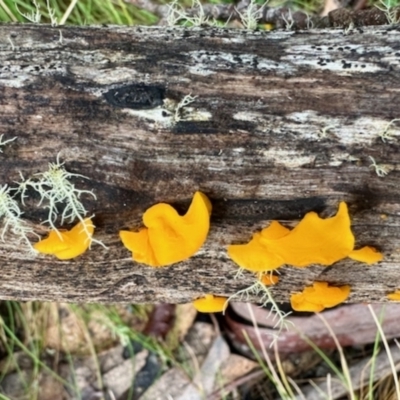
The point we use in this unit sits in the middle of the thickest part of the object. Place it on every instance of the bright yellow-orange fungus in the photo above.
(68, 244)
(395, 296)
(367, 255)
(210, 304)
(318, 297)
(313, 241)
(168, 237)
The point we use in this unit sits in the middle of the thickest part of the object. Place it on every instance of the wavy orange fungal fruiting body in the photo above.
(313, 241)
(168, 237)
(395, 296)
(210, 304)
(319, 296)
(367, 255)
(68, 244)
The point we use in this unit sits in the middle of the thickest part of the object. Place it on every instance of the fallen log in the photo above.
(270, 125)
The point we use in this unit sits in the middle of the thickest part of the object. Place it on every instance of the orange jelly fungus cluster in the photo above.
(395, 296)
(210, 304)
(318, 297)
(67, 244)
(313, 241)
(168, 237)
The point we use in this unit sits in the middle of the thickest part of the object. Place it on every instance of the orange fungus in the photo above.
(168, 237)
(318, 297)
(68, 244)
(367, 255)
(395, 296)
(314, 240)
(210, 304)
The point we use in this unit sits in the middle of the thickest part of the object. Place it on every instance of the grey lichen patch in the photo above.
(248, 116)
(157, 115)
(287, 158)
(107, 76)
(343, 58)
(239, 40)
(209, 62)
(341, 66)
(173, 112)
(360, 131)
(17, 76)
(199, 70)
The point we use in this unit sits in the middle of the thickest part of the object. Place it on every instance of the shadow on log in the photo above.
(277, 124)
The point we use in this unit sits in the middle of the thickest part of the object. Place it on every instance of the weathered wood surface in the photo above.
(283, 123)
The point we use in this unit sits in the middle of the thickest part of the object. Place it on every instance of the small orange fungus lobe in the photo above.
(319, 296)
(210, 304)
(314, 240)
(68, 244)
(367, 255)
(269, 279)
(168, 237)
(395, 296)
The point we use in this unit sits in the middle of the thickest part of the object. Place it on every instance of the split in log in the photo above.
(277, 124)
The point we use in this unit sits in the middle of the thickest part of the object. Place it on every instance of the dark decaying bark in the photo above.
(282, 123)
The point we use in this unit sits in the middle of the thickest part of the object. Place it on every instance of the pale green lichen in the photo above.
(391, 12)
(3, 143)
(380, 169)
(57, 191)
(177, 14)
(10, 213)
(36, 15)
(266, 299)
(252, 14)
(387, 134)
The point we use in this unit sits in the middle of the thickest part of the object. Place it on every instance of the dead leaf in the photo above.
(198, 342)
(204, 379)
(50, 388)
(118, 380)
(160, 321)
(185, 316)
(163, 389)
(233, 368)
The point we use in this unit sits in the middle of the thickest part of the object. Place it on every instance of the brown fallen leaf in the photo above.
(160, 321)
(197, 348)
(118, 380)
(234, 367)
(204, 380)
(162, 388)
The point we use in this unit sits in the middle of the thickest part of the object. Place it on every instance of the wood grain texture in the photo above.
(282, 123)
